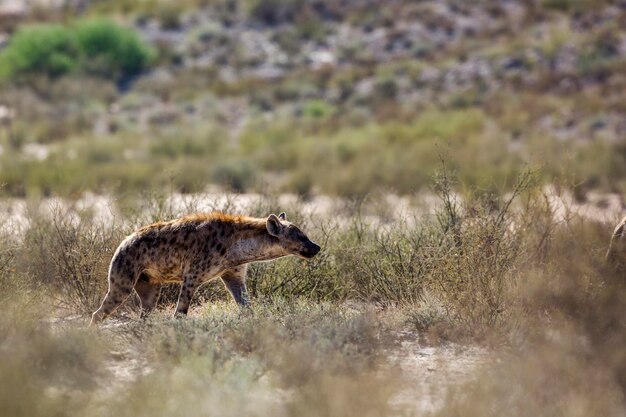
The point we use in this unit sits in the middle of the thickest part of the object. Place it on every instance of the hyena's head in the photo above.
(290, 237)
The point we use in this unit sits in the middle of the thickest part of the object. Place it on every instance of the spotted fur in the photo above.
(193, 250)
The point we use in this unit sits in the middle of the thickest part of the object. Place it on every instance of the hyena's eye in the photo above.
(297, 234)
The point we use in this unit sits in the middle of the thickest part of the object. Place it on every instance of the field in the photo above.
(461, 164)
(469, 309)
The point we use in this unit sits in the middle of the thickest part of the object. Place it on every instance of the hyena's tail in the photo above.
(617, 247)
(122, 279)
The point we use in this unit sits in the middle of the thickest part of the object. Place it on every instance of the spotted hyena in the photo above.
(195, 249)
(616, 254)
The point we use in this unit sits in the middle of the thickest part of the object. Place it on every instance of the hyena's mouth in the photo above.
(309, 252)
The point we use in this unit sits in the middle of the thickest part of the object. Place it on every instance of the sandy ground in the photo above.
(428, 372)
(431, 371)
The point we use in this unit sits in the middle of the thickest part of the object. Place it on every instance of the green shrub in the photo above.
(317, 109)
(50, 50)
(111, 51)
(96, 47)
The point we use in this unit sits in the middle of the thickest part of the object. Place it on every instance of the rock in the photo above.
(322, 59)
(6, 114)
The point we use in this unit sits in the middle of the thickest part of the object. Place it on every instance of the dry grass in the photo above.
(571, 361)
(321, 335)
(66, 251)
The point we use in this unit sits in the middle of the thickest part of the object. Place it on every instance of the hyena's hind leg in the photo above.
(235, 281)
(120, 287)
(148, 294)
(191, 281)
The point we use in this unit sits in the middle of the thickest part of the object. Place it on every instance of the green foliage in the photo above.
(318, 109)
(95, 47)
(111, 51)
(51, 50)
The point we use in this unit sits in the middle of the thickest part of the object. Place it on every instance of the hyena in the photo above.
(193, 250)
(616, 255)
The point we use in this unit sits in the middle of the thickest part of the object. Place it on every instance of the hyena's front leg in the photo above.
(191, 282)
(235, 281)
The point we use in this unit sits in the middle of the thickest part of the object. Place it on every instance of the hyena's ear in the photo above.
(282, 216)
(273, 224)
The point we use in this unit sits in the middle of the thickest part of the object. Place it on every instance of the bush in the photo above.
(95, 47)
(237, 175)
(111, 51)
(50, 50)
(317, 109)
(70, 254)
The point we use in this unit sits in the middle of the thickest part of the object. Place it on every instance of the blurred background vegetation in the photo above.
(311, 97)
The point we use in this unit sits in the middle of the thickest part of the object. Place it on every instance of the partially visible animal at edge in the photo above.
(196, 249)
(616, 254)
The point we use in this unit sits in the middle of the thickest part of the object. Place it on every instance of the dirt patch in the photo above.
(430, 372)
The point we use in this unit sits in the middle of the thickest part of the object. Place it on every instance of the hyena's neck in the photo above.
(254, 248)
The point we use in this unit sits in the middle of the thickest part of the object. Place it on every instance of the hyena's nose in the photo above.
(314, 249)
(309, 250)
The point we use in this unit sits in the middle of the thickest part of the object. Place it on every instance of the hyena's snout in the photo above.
(309, 250)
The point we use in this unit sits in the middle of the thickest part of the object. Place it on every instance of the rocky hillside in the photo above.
(519, 81)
